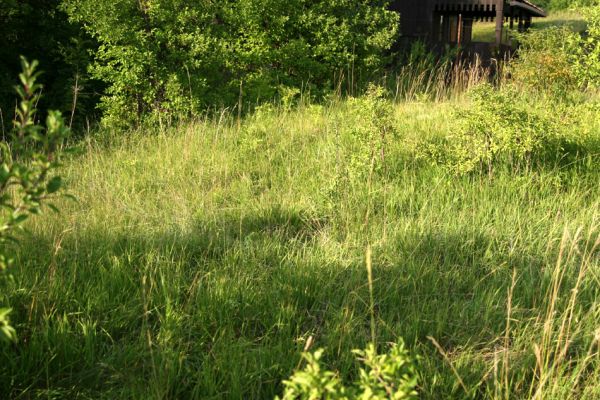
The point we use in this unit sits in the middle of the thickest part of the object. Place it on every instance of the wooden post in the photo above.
(436, 32)
(460, 30)
(499, 21)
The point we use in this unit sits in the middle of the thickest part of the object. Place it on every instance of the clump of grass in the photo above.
(425, 77)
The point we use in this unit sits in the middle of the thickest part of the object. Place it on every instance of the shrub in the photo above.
(27, 170)
(383, 376)
(39, 30)
(370, 133)
(496, 127)
(545, 60)
(559, 60)
(564, 4)
(587, 60)
(362, 144)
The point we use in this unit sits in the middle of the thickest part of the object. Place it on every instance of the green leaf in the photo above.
(54, 184)
(7, 332)
(71, 197)
(53, 208)
(19, 219)
(4, 173)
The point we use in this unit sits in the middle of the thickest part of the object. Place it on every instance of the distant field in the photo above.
(197, 263)
(485, 31)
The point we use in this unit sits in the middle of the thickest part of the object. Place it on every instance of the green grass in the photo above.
(197, 262)
(486, 31)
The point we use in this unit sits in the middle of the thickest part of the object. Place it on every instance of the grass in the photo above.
(486, 31)
(198, 261)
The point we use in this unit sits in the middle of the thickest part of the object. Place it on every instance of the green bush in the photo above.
(545, 60)
(165, 58)
(27, 171)
(363, 142)
(558, 60)
(496, 127)
(587, 59)
(39, 30)
(564, 4)
(384, 376)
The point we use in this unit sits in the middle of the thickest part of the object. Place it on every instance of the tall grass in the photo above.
(439, 80)
(201, 260)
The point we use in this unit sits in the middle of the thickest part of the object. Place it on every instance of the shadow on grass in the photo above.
(223, 311)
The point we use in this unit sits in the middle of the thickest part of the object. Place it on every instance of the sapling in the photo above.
(28, 163)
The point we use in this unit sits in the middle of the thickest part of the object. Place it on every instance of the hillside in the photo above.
(198, 261)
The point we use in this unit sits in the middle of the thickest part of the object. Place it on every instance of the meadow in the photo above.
(198, 261)
(446, 210)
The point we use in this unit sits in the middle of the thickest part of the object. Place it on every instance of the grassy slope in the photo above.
(198, 262)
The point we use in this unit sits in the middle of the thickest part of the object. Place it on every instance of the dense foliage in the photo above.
(564, 4)
(168, 57)
(558, 59)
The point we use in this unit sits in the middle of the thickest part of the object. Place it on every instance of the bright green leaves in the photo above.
(587, 62)
(170, 58)
(391, 375)
(27, 165)
(7, 332)
(314, 382)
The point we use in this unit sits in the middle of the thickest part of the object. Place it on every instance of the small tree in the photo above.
(27, 171)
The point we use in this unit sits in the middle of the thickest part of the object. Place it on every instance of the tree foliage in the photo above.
(162, 58)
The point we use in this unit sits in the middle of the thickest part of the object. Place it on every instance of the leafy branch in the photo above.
(28, 162)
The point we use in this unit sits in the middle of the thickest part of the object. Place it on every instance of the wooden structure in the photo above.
(451, 21)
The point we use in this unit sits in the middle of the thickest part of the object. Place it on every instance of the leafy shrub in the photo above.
(27, 165)
(558, 60)
(564, 4)
(496, 127)
(384, 376)
(363, 142)
(545, 60)
(370, 132)
(587, 60)
(164, 58)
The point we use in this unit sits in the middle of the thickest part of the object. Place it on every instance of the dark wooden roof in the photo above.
(528, 7)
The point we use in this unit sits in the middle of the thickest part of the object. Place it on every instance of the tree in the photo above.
(163, 58)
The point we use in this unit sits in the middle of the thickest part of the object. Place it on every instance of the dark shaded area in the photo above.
(37, 29)
(236, 294)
